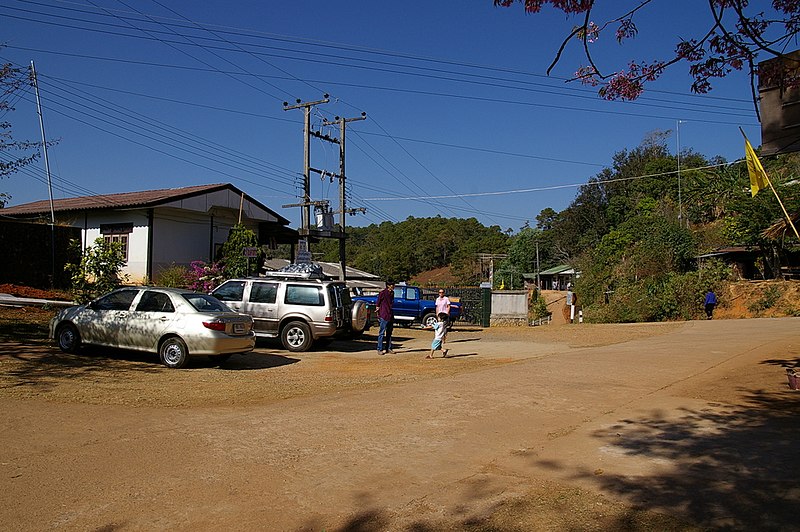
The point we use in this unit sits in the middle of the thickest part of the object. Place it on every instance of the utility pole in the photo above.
(680, 203)
(49, 182)
(342, 199)
(305, 204)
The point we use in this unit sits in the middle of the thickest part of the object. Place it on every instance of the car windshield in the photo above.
(206, 303)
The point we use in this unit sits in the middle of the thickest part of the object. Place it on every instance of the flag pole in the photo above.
(754, 167)
(788, 218)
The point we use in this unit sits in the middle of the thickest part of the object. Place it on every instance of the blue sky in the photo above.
(461, 119)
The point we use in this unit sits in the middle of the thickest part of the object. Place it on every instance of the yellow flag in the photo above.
(758, 177)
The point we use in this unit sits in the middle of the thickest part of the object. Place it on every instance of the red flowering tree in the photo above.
(740, 34)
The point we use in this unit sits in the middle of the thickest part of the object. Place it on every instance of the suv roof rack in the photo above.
(299, 271)
(295, 275)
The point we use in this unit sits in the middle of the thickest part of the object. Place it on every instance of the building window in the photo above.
(123, 239)
(117, 233)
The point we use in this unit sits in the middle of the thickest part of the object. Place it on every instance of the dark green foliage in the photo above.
(537, 306)
(236, 264)
(99, 270)
(521, 258)
(767, 300)
(415, 245)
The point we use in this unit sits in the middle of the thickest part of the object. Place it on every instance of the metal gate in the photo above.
(469, 297)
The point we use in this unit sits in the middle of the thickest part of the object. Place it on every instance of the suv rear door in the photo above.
(262, 305)
(339, 296)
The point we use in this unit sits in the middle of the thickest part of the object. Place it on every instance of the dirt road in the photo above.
(590, 427)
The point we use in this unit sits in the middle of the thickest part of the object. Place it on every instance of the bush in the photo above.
(174, 277)
(659, 298)
(204, 277)
(99, 270)
(767, 300)
(537, 306)
(236, 264)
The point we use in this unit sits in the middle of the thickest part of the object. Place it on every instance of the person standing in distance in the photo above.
(443, 306)
(385, 318)
(709, 303)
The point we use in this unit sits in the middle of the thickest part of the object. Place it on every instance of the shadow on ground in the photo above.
(733, 467)
(40, 366)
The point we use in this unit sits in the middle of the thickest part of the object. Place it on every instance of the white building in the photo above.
(159, 228)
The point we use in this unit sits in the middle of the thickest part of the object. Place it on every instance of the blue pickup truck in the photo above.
(409, 306)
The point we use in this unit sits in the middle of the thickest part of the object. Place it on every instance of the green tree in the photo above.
(722, 202)
(638, 271)
(546, 219)
(522, 250)
(98, 271)
(236, 264)
(402, 250)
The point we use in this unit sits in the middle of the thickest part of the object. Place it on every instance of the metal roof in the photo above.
(142, 199)
(562, 269)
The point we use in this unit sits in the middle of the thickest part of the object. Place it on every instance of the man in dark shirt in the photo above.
(385, 318)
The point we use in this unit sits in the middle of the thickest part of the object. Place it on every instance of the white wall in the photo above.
(136, 268)
(181, 237)
(510, 303)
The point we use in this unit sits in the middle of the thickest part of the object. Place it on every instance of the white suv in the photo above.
(298, 308)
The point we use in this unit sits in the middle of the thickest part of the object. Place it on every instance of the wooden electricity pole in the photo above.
(306, 202)
(342, 191)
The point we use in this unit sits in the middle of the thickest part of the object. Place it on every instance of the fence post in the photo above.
(486, 304)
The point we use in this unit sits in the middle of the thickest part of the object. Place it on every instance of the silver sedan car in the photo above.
(174, 323)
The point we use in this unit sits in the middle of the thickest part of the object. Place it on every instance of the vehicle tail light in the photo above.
(328, 316)
(214, 325)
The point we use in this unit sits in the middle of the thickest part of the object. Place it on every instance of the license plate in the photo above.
(238, 328)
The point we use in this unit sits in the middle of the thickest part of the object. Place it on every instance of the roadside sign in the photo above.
(250, 252)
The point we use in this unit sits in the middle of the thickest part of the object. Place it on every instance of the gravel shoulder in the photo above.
(675, 426)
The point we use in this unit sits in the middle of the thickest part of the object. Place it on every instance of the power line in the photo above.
(556, 187)
(683, 110)
(327, 45)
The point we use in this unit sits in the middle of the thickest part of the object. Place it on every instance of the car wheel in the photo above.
(429, 319)
(69, 339)
(173, 352)
(296, 336)
(219, 359)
